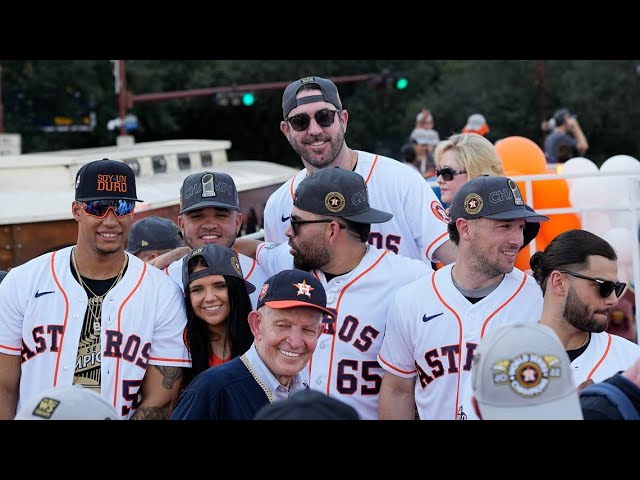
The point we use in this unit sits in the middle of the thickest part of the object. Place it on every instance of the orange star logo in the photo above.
(303, 288)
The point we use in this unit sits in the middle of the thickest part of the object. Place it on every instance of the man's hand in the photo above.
(166, 259)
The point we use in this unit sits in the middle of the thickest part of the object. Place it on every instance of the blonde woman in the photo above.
(464, 156)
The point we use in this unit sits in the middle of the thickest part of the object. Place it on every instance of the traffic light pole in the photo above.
(132, 99)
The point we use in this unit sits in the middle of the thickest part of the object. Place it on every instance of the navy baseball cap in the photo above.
(208, 189)
(494, 197)
(338, 192)
(106, 180)
(154, 233)
(220, 260)
(308, 404)
(327, 87)
(293, 288)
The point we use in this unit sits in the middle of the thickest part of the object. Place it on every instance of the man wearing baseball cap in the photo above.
(435, 324)
(152, 236)
(328, 229)
(209, 213)
(315, 124)
(92, 314)
(285, 325)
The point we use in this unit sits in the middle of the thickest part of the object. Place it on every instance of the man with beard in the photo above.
(328, 230)
(315, 124)
(209, 213)
(578, 275)
(436, 323)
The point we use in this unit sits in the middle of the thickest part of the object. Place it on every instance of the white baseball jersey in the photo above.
(433, 331)
(606, 355)
(419, 223)
(253, 273)
(344, 364)
(43, 309)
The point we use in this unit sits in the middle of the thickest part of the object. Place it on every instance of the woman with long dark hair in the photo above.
(218, 304)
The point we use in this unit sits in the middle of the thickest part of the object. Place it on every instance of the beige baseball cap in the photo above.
(67, 402)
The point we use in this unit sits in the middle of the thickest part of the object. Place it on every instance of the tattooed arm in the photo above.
(160, 389)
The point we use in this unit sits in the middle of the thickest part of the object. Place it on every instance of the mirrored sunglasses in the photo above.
(324, 118)
(100, 208)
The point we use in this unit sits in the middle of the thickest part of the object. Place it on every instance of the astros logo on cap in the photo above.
(473, 204)
(527, 375)
(263, 292)
(303, 288)
(236, 265)
(334, 201)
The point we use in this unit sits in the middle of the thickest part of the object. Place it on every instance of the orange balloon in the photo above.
(519, 154)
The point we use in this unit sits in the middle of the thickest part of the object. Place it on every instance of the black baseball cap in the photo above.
(338, 192)
(154, 233)
(293, 288)
(106, 180)
(493, 197)
(220, 260)
(327, 87)
(208, 189)
(308, 404)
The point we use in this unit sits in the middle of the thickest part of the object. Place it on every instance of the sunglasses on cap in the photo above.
(605, 286)
(447, 173)
(100, 208)
(324, 118)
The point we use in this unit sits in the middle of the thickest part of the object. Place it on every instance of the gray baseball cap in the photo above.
(522, 372)
(208, 189)
(220, 260)
(494, 197)
(338, 192)
(154, 233)
(327, 87)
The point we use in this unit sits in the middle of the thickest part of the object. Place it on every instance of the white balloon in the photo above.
(593, 192)
(620, 163)
(596, 222)
(621, 240)
(578, 165)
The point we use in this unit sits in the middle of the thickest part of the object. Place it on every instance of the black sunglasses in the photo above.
(324, 118)
(296, 223)
(447, 173)
(606, 286)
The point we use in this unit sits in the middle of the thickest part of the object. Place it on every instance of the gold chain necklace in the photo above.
(266, 389)
(94, 306)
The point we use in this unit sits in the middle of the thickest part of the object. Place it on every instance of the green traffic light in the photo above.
(248, 99)
(402, 83)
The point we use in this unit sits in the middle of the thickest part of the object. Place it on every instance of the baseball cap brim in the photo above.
(566, 408)
(250, 287)
(518, 213)
(370, 216)
(209, 203)
(278, 304)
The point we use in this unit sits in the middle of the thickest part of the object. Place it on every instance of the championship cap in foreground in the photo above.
(208, 189)
(327, 87)
(338, 192)
(293, 288)
(220, 260)
(522, 372)
(68, 402)
(105, 180)
(494, 197)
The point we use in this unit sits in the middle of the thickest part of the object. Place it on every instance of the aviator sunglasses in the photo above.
(447, 173)
(100, 208)
(606, 286)
(301, 122)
